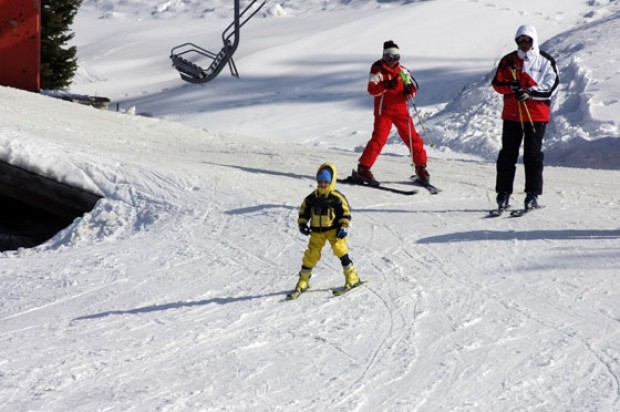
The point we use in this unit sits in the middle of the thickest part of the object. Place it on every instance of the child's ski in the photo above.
(341, 291)
(294, 295)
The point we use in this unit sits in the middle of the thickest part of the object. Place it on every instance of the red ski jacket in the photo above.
(389, 102)
(536, 71)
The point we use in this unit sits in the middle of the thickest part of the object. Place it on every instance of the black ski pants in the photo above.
(513, 134)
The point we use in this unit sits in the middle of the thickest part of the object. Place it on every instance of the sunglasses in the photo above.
(524, 40)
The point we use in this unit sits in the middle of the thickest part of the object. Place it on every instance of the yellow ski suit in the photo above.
(325, 210)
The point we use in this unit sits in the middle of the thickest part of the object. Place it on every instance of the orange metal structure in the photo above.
(20, 44)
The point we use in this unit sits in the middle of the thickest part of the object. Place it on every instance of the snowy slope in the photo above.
(168, 296)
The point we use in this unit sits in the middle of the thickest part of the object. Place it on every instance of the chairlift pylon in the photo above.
(184, 55)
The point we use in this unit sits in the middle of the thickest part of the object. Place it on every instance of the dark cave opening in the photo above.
(33, 208)
(23, 225)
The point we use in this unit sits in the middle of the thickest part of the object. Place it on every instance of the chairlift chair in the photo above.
(184, 55)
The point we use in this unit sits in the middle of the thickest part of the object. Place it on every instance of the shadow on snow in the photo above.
(177, 305)
(477, 235)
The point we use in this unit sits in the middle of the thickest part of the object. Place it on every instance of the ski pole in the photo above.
(514, 77)
(529, 116)
(519, 102)
(405, 79)
(426, 136)
(409, 123)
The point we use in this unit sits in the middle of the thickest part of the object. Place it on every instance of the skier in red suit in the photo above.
(392, 86)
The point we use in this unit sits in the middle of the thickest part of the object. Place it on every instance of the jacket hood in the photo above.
(332, 184)
(529, 31)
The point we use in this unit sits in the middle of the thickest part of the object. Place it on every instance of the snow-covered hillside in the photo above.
(312, 57)
(169, 295)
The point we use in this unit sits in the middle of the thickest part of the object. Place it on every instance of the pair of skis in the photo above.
(335, 292)
(353, 180)
(513, 213)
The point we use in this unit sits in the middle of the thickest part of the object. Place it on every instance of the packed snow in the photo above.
(169, 294)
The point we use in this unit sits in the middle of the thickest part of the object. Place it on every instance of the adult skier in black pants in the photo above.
(528, 79)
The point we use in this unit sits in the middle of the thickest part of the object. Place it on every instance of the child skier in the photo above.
(328, 215)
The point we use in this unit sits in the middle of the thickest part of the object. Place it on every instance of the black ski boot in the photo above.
(502, 200)
(531, 201)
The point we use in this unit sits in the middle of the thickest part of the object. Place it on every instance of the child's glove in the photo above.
(304, 230)
(342, 232)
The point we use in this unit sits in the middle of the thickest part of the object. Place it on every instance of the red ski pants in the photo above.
(406, 131)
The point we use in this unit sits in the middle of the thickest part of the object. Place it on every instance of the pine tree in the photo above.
(58, 63)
